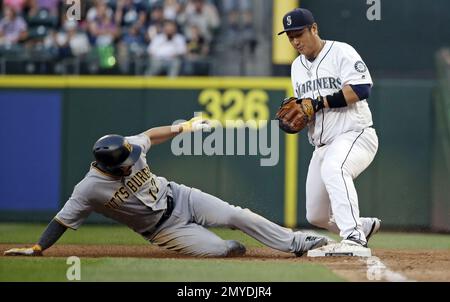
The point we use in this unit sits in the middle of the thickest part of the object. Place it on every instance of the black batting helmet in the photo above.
(114, 151)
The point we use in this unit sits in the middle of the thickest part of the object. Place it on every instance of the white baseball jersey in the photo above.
(136, 200)
(337, 64)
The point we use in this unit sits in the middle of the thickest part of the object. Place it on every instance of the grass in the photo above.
(162, 270)
(135, 269)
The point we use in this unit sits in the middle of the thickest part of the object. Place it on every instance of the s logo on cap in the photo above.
(288, 20)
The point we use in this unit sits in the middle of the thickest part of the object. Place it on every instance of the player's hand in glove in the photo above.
(35, 250)
(295, 114)
(196, 123)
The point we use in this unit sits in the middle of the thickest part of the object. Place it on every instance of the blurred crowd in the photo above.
(152, 37)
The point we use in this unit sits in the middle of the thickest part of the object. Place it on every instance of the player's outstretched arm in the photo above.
(159, 135)
(51, 234)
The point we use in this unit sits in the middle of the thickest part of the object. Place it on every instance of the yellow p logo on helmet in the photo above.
(128, 146)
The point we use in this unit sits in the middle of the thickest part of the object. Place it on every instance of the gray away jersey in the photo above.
(338, 64)
(137, 200)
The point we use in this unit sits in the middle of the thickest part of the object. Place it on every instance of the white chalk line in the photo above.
(376, 270)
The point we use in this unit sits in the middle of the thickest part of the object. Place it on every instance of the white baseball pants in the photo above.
(331, 198)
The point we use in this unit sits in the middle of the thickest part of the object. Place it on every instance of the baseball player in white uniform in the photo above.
(121, 186)
(335, 77)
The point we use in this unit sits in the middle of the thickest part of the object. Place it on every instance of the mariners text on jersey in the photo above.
(321, 83)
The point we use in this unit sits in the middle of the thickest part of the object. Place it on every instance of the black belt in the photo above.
(163, 218)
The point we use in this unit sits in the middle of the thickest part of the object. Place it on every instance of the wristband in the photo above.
(336, 100)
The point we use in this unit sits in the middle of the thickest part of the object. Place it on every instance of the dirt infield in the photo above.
(416, 265)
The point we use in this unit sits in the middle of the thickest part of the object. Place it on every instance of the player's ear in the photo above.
(314, 29)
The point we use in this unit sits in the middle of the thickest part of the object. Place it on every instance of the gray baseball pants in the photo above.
(185, 232)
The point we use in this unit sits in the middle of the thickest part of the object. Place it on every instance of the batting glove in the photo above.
(196, 123)
(35, 250)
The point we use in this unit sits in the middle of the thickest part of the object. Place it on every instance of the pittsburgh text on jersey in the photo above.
(134, 184)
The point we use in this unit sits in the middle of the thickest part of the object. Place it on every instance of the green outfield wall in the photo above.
(396, 187)
(440, 217)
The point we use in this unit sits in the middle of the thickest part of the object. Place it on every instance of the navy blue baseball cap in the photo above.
(297, 19)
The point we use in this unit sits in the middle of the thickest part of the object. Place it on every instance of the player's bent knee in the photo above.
(224, 248)
(217, 248)
(235, 248)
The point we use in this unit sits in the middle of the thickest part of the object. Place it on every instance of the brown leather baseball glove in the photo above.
(295, 114)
